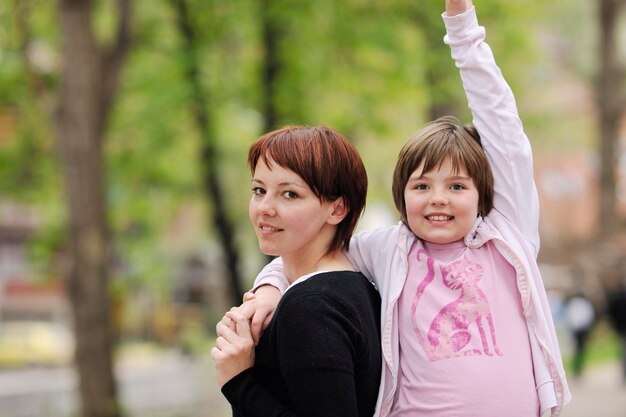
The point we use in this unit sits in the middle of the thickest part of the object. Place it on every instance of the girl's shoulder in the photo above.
(394, 232)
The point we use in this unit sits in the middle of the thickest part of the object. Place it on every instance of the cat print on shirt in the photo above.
(449, 333)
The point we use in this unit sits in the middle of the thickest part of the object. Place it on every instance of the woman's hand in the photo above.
(234, 348)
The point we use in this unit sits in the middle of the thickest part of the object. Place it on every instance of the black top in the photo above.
(320, 355)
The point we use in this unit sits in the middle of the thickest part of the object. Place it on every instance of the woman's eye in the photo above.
(290, 195)
(258, 191)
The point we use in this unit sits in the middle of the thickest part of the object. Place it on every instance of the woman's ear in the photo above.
(339, 211)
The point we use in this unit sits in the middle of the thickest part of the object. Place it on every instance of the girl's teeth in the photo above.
(439, 218)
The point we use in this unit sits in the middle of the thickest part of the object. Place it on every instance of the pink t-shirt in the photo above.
(464, 346)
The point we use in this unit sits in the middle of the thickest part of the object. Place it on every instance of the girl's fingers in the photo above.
(267, 320)
(248, 308)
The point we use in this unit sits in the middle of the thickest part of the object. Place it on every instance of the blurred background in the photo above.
(124, 129)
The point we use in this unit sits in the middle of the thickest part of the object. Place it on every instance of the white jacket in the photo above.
(512, 225)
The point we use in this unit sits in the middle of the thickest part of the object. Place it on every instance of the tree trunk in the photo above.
(611, 101)
(208, 151)
(88, 85)
(270, 66)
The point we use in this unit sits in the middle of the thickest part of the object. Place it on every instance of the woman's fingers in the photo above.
(235, 336)
(234, 348)
(227, 322)
(242, 324)
(227, 331)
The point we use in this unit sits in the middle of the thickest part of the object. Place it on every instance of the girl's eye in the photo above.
(290, 195)
(421, 187)
(258, 191)
(457, 187)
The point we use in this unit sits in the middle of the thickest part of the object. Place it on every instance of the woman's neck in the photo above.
(334, 261)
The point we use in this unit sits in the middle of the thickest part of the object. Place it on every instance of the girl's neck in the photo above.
(449, 245)
(445, 252)
(334, 261)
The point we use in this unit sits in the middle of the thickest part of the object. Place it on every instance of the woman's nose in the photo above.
(267, 206)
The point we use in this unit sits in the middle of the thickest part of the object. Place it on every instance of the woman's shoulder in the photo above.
(347, 288)
(331, 282)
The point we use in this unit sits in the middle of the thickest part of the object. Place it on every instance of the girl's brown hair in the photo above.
(442, 139)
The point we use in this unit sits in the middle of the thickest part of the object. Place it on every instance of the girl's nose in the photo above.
(439, 199)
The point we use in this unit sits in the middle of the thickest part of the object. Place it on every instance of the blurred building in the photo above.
(572, 260)
(21, 297)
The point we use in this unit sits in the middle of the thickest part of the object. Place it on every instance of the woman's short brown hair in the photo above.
(329, 164)
(440, 140)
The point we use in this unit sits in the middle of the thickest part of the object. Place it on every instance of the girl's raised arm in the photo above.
(496, 119)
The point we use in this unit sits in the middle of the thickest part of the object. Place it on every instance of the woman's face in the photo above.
(442, 204)
(289, 220)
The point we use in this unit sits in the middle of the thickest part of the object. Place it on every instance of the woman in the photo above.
(320, 355)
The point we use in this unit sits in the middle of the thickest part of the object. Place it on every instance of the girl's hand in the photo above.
(234, 348)
(454, 7)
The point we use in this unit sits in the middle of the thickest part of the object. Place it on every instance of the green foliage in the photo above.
(27, 168)
(12, 81)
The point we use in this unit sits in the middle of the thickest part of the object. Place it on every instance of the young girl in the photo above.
(320, 356)
(466, 327)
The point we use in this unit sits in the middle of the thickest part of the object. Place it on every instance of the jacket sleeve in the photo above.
(315, 341)
(370, 252)
(272, 274)
(496, 119)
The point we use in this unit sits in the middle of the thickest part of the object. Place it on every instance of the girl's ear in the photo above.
(339, 211)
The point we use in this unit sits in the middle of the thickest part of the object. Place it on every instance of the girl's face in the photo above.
(441, 205)
(288, 218)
